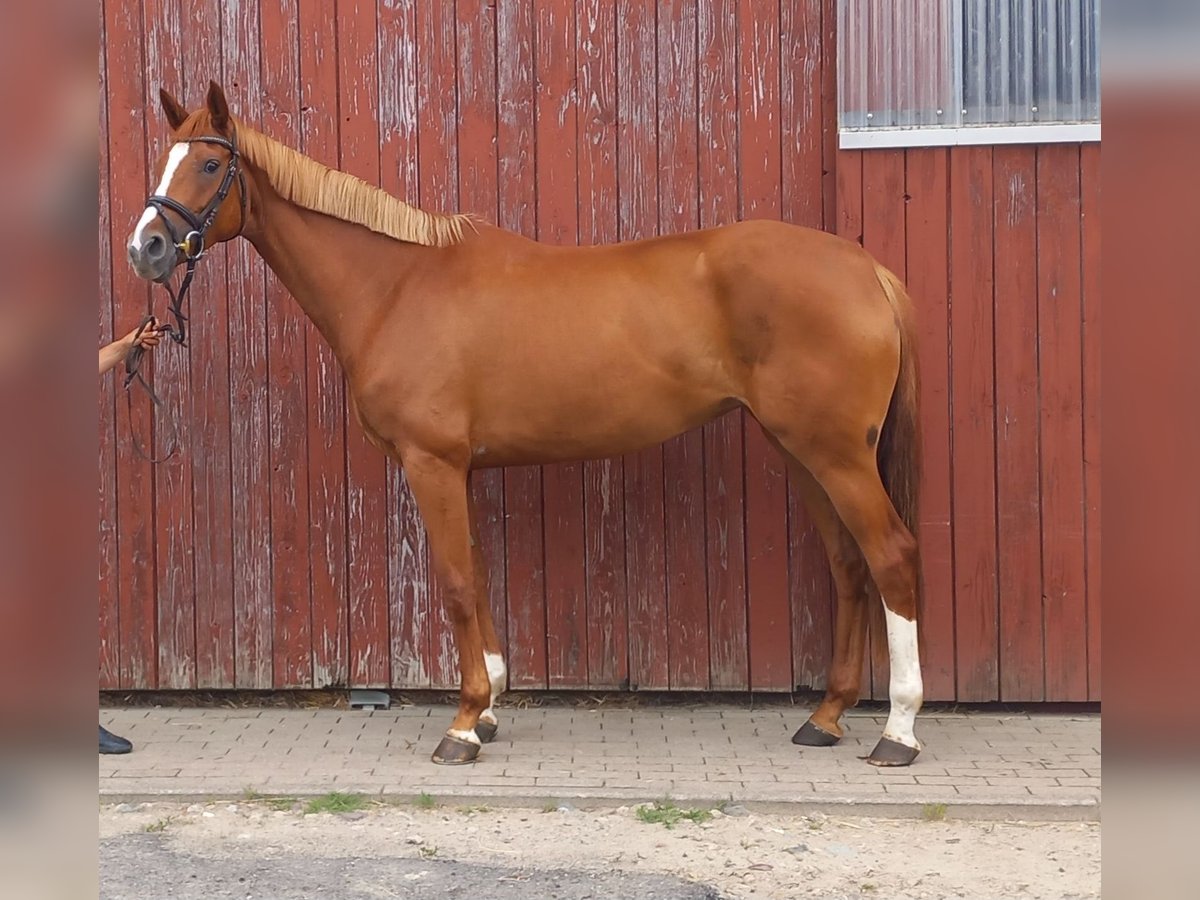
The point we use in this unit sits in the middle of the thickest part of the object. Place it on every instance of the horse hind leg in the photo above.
(844, 684)
(858, 495)
(850, 480)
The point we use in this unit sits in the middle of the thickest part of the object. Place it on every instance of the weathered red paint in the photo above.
(283, 552)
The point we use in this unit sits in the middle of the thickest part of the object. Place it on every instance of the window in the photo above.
(943, 72)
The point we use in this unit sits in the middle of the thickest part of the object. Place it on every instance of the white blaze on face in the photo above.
(905, 690)
(496, 675)
(174, 158)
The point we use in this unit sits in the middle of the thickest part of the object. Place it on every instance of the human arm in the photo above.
(112, 355)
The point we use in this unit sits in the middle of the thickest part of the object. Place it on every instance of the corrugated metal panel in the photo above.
(955, 63)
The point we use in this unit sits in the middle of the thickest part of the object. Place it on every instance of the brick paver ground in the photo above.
(1011, 766)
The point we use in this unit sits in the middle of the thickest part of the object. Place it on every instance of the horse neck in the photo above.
(342, 275)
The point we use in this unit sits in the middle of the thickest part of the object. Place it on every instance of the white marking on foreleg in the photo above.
(905, 690)
(174, 158)
(497, 677)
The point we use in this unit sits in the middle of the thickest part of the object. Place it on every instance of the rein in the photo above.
(133, 370)
(192, 247)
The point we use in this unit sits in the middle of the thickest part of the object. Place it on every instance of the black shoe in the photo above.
(110, 743)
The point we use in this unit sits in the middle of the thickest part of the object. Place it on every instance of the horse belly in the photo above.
(565, 425)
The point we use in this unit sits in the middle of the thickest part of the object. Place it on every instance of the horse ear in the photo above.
(172, 108)
(218, 108)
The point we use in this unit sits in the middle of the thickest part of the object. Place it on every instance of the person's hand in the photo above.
(118, 351)
(147, 340)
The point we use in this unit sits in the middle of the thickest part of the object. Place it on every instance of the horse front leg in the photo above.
(493, 654)
(440, 489)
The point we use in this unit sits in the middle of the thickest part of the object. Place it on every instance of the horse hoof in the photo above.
(892, 753)
(454, 751)
(813, 735)
(486, 731)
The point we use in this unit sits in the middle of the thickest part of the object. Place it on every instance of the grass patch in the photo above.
(869, 888)
(425, 801)
(279, 804)
(335, 802)
(667, 814)
(428, 851)
(159, 826)
(933, 812)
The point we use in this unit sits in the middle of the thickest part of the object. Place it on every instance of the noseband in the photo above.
(192, 243)
(192, 247)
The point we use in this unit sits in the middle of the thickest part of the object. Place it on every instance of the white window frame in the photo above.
(948, 136)
(932, 135)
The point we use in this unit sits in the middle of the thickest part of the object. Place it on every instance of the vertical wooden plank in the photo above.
(108, 618)
(809, 584)
(325, 423)
(637, 178)
(1090, 216)
(884, 237)
(326, 417)
(759, 164)
(724, 488)
(557, 223)
(849, 225)
(291, 577)
(972, 362)
(477, 174)
(248, 381)
(683, 456)
(409, 588)
(438, 147)
(524, 571)
(802, 112)
(1060, 367)
(208, 402)
(1018, 500)
(603, 480)
(176, 593)
(134, 481)
(829, 112)
(927, 224)
(366, 467)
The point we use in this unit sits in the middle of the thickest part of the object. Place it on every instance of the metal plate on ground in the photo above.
(370, 700)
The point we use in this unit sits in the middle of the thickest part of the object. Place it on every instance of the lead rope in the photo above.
(133, 372)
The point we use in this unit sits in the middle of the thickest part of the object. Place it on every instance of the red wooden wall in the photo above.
(281, 551)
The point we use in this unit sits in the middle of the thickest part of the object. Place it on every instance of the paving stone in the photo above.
(709, 754)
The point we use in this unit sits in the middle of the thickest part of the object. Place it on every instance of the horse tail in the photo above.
(899, 451)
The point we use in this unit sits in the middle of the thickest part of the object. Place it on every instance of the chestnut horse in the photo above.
(466, 346)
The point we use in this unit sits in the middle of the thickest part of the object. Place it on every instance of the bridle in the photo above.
(192, 243)
(192, 246)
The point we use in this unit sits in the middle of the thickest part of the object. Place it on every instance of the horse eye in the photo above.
(211, 166)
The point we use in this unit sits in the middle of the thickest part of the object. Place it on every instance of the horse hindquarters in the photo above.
(854, 435)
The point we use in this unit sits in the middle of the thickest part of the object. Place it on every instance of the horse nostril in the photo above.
(155, 248)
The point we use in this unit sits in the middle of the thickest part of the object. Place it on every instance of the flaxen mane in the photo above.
(307, 183)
